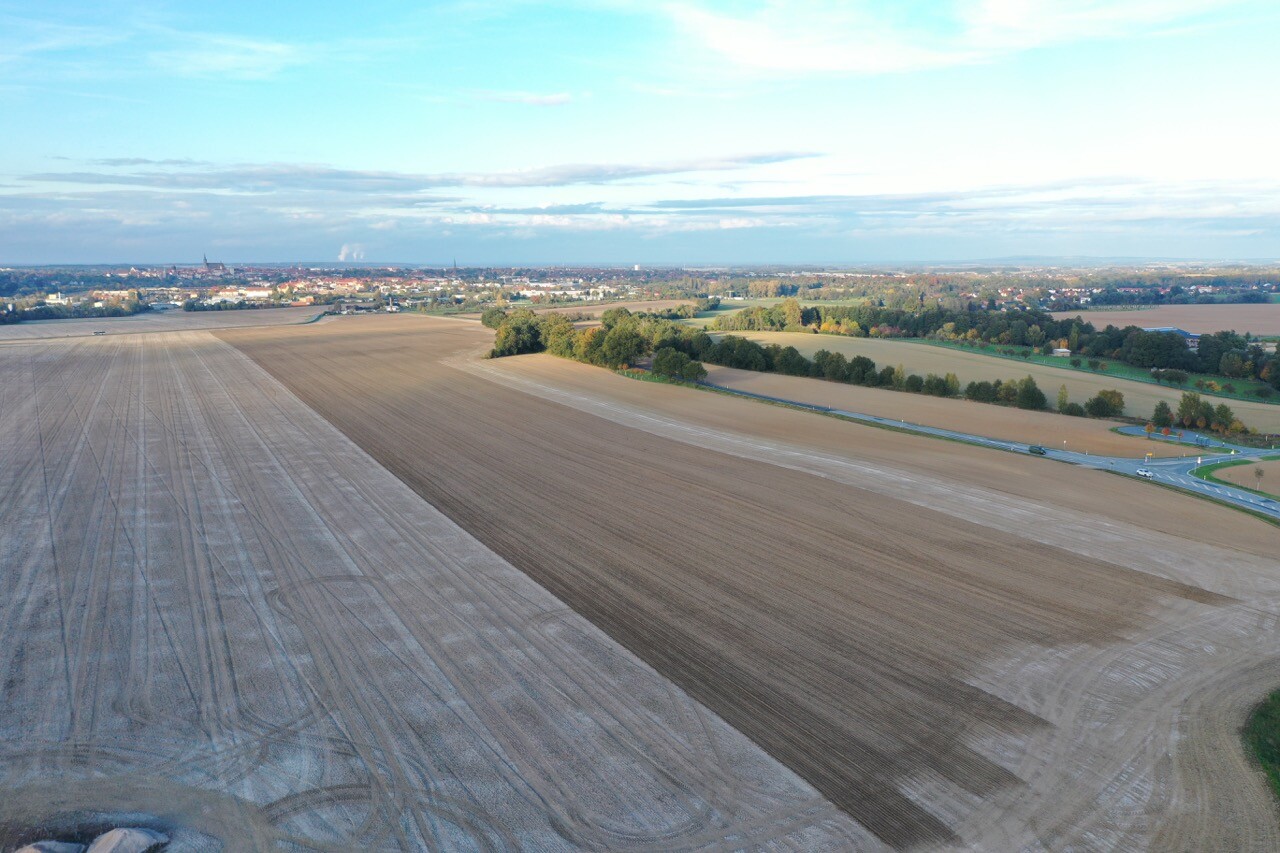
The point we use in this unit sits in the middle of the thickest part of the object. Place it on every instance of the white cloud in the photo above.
(533, 99)
(857, 37)
(263, 178)
(351, 252)
(228, 57)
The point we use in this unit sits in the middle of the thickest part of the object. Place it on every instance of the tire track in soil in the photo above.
(875, 706)
(174, 482)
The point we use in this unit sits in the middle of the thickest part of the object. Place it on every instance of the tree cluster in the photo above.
(1165, 353)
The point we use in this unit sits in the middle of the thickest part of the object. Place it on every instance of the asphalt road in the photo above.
(1174, 472)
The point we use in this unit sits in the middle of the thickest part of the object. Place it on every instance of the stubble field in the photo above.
(1245, 475)
(216, 610)
(1139, 397)
(1009, 424)
(1261, 319)
(957, 647)
(158, 321)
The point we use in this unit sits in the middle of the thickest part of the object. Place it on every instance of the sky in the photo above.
(638, 131)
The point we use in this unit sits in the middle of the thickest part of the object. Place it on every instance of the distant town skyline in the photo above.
(621, 132)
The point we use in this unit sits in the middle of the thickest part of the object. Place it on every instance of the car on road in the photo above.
(1037, 450)
(1145, 472)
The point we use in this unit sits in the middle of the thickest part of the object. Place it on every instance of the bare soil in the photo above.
(158, 321)
(593, 309)
(1201, 319)
(1243, 475)
(956, 646)
(1140, 398)
(218, 611)
(1045, 428)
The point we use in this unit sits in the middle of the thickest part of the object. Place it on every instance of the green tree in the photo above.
(614, 316)
(1223, 418)
(1163, 415)
(671, 362)
(1188, 408)
(492, 317)
(623, 346)
(558, 334)
(518, 333)
(1105, 404)
(1063, 399)
(1029, 395)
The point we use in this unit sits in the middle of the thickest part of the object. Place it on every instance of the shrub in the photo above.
(1106, 404)
(1075, 410)
(492, 317)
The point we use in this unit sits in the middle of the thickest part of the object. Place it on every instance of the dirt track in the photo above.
(1201, 319)
(216, 609)
(1046, 428)
(957, 646)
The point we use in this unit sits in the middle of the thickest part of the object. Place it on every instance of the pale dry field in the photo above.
(1139, 397)
(591, 309)
(1045, 428)
(1201, 319)
(959, 647)
(1243, 475)
(215, 609)
(174, 320)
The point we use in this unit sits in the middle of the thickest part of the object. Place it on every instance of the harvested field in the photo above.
(956, 646)
(1046, 428)
(1243, 475)
(158, 321)
(1139, 397)
(216, 609)
(594, 309)
(1201, 319)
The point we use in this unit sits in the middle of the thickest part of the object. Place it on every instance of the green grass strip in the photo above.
(1116, 370)
(1262, 736)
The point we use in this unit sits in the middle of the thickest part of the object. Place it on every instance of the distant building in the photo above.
(214, 268)
(1062, 352)
(1192, 339)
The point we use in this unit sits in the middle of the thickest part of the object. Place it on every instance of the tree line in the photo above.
(1224, 353)
(624, 338)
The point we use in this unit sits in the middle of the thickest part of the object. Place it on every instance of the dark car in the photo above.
(1037, 450)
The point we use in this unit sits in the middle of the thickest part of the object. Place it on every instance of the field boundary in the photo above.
(1044, 361)
(1205, 472)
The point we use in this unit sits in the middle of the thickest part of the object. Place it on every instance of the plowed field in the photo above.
(215, 609)
(955, 646)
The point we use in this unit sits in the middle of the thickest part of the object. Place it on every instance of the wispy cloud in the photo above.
(860, 37)
(222, 57)
(533, 99)
(276, 177)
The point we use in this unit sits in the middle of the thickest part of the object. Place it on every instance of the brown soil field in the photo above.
(1201, 319)
(1139, 397)
(217, 610)
(1243, 475)
(158, 321)
(1045, 428)
(956, 646)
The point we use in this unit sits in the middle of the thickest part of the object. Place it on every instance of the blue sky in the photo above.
(622, 131)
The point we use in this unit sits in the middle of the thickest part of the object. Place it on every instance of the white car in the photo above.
(1145, 472)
